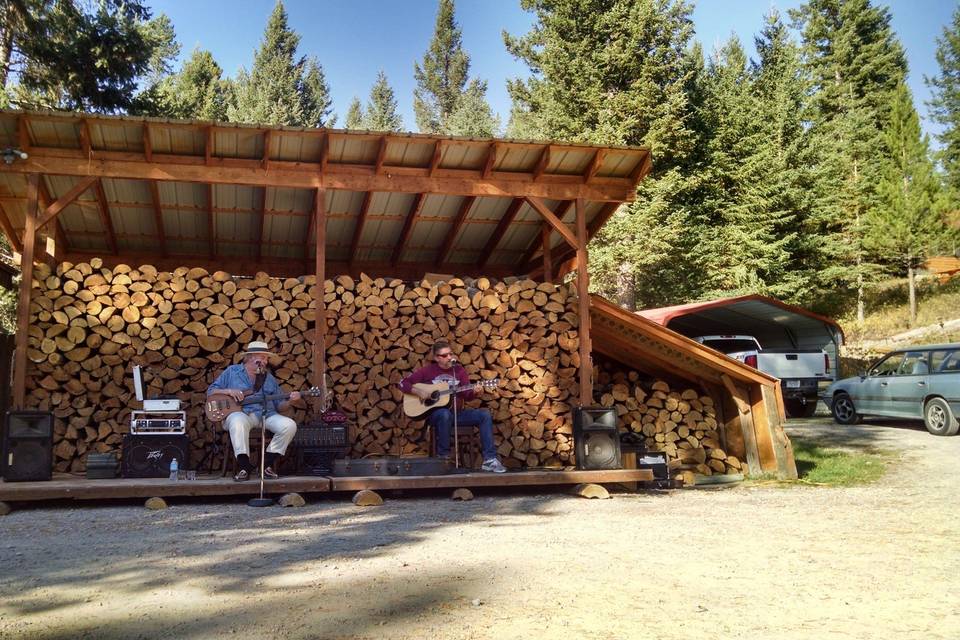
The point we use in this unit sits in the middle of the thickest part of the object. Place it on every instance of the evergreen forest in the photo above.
(801, 173)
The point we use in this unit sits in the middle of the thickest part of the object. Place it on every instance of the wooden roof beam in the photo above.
(458, 223)
(490, 162)
(564, 253)
(542, 163)
(265, 158)
(261, 221)
(158, 215)
(85, 145)
(505, 221)
(211, 222)
(105, 219)
(208, 146)
(301, 176)
(23, 132)
(358, 228)
(408, 227)
(381, 155)
(537, 243)
(59, 233)
(595, 165)
(147, 143)
(554, 221)
(437, 156)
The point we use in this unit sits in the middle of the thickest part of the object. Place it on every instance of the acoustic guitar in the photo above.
(440, 393)
(218, 406)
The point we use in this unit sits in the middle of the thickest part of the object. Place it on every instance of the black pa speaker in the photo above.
(595, 438)
(27, 446)
(149, 456)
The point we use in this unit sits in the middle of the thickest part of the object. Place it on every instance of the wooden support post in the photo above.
(547, 254)
(26, 282)
(319, 344)
(583, 295)
(746, 425)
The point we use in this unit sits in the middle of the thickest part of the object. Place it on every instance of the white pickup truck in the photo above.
(800, 370)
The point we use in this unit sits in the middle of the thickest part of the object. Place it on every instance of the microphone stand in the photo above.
(456, 434)
(261, 501)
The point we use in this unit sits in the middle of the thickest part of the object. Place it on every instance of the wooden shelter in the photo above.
(293, 201)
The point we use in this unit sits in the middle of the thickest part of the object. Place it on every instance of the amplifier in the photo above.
(158, 423)
(331, 436)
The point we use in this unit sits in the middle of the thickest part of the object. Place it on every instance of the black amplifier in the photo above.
(322, 435)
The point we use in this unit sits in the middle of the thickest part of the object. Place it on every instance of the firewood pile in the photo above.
(89, 324)
(681, 422)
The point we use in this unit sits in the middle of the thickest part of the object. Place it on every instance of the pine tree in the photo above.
(76, 55)
(945, 105)
(622, 72)
(196, 92)
(281, 88)
(381, 112)
(442, 77)
(905, 222)
(354, 115)
(473, 116)
(853, 61)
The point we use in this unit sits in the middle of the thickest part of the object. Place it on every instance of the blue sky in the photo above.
(354, 40)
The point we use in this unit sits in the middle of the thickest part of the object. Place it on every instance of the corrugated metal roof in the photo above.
(246, 182)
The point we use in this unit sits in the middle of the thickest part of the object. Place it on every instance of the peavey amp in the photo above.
(158, 422)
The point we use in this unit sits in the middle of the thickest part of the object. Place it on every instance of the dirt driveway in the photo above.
(746, 562)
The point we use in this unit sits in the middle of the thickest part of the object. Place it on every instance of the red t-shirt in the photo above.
(434, 374)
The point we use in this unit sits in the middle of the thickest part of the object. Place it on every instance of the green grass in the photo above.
(888, 312)
(820, 465)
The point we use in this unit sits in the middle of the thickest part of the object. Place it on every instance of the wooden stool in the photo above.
(467, 446)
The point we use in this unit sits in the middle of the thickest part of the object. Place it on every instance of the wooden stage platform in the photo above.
(66, 486)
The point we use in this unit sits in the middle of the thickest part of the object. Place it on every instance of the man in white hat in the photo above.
(239, 381)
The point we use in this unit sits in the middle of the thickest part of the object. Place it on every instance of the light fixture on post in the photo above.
(12, 153)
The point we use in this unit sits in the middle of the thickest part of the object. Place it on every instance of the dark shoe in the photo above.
(241, 475)
(270, 474)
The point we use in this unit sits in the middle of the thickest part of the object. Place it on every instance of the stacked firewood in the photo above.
(681, 422)
(89, 324)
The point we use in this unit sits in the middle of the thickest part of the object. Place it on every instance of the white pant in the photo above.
(238, 425)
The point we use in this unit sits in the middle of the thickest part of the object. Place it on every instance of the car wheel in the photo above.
(939, 419)
(800, 409)
(843, 409)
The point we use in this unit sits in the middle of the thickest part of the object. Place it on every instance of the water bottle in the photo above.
(174, 468)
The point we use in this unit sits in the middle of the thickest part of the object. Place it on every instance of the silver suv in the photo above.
(921, 383)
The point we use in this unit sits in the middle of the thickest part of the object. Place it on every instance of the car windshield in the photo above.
(731, 346)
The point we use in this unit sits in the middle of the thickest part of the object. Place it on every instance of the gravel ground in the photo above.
(761, 561)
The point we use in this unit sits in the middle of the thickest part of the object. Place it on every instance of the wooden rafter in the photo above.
(554, 221)
(642, 169)
(324, 153)
(542, 163)
(23, 132)
(595, 165)
(564, 253)
(358, 227)
(265, 158)
(147, 143)
(408, 227)
(490, 162)
(458, 223)
(104, 210)
(505, 221)
(437, 156)
(85, 145)
(208, 146)
(58, 231)
(261, 221)
(211, 222)
(381, 156)
(158, 215)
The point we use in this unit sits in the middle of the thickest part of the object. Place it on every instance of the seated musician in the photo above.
(239, 380)
(444, 369)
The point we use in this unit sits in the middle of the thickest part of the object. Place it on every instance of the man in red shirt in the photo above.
(445, 369)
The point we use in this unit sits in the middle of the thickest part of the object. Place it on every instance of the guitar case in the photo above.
(392, 466)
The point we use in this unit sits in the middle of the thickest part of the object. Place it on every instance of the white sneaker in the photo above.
(493, 465)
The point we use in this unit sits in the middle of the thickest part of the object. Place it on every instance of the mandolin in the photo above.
(414, 406)
(218, 406)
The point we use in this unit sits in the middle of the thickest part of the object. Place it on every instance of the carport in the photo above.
(775, 324)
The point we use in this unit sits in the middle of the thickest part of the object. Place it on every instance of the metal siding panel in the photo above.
(619, 165)
(58, 134)
(354, 150)
(9, 130)
(13, 185)
(181, 141)
(570, 162)
(238, 143)
(116, 135)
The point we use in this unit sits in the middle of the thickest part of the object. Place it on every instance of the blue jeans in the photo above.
(441, 419)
